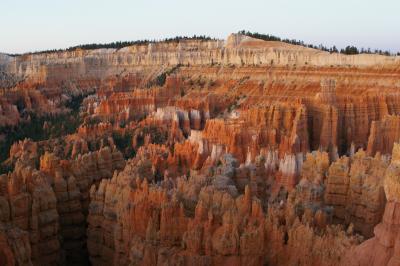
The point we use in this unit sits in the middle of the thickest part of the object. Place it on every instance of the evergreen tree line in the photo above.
(120, 44)
(348, 50)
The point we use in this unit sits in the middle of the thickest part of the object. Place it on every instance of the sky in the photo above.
(33, 25)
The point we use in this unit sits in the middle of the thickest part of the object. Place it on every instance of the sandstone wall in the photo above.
(237, 50)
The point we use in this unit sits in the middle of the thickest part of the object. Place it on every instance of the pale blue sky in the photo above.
(30, 25)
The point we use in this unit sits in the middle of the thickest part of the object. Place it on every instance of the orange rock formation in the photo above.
(236, 152)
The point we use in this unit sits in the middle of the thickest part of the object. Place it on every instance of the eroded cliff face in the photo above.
(222, 215)
(43, 211)
(237, 50)
(61, 73)
(236, 152)
(28, 209)
(383, 248)
(206, 220)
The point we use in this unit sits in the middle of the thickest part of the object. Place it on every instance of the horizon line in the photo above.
(196, 37)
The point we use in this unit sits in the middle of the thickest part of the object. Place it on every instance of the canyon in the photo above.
(200, 152)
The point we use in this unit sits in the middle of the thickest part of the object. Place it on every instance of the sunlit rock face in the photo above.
(217, 152)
